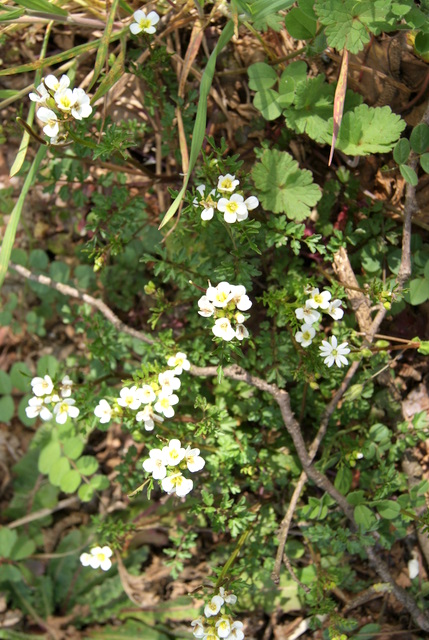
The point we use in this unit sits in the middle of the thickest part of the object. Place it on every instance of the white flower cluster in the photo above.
(48, 401)
(166, 464)
(97, 558)
(330, 351)
(225, 303)
(234, 207)
(216, 622)
(144, 22)
(153, 402)
(58, 103)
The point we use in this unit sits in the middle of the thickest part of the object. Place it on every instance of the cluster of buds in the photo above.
(217, 623)
(49, 401)
(97, 558)
(233, 205)
(226, 303)
(330, 350)
(57, 104)
(167, 464)
(153, 401)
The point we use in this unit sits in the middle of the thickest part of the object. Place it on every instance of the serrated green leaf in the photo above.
(48, 456)
(408, 174)
(7, 408)
(73, 447)
(283, 186)
(261, 76)
(87, 465)
(369, 130)
(388, 509)
(8, 538)
(300, 25)
(266, 103)
(312, 109)
(70, 481)
(424, 162)
(419, 138)
(419, 291)
(401, 151)
(58, 470)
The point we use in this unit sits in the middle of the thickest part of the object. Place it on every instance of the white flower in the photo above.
(241, 332)
(413, 567)
(81, 106)
(229, 598)
(66, 387)
(53, 399)
(130, 398)
(85, 559)
(146, 394)
(239, 297)
(236, 631)
(103, 411)
(317, 299)
(306, 335)
(64, 99)
(100, 558)
(42, 386)
(199, 628)
(174, 453)
(155, 464)
(334, 310)
(40, 96)
(206, 307)
(221, 295)
(227, 183)
(233, 209)
(36, 407)
(144, 22)
(50, 120)
(223, 627)
(57, 85)
(309, 315)
(65, 408)
(213, 607)
(177, 484)
(222, 329)
(208, 203)
(148, 416)
(333, 352)
(180, 362)
(168, 382)
(194, 461)
(165, 404)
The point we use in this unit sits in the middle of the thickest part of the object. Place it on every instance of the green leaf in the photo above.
(408, 174)
(85, 492)
(70, 481)
(20, 376)
(300, 25)
(419, 138)
(8, 538)
(343, 480)
(421, 43)
(47, 365)
(42, 6)
(23, 548)
(424, 347)
(388, 509)
(48, 456)
(267, 103)
(356, 497)
(283, 186)
(9, 573)
(419, 291)
(73, 447)
(401, 151)
(102, 51)
(261, 76)
(364, 517)
(368, 130)
(5, 383)
(99, 482)
(58, 470)
(424, 162)
(38, 259)
(59, 271)
(312, 109)
(87, 465)
(7, 408)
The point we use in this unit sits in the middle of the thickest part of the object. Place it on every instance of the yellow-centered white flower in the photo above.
(144, 22)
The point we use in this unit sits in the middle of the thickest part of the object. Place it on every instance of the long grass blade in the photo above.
(104, 44)
(201, 117)
(42, 5)
(340, 96)
(10, 233)
(116, 72)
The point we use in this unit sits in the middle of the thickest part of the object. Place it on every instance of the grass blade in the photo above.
(42, 5)
(104, 44)
(10, 233)
(201, 117)
(116, 72)
(340, 96)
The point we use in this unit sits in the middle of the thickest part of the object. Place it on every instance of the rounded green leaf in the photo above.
(87, 465)
(8, 538)
(364, 517)
(421, 43)
(99, 482)
(388, 509)
(20, 376)
(419, 291)
(401, 151)
(261, 76)
(39, 260)
(419, 138)
(70, 481)
(343, 480)
(7, 408)
(5, 383)
(9, 573)
(23, 548)
(73, 447)
(424, 162)
(47, 365)
(266, 102)
(58, 470)
(48, 456)
(300, 25)
(59, 271)
(85, 492)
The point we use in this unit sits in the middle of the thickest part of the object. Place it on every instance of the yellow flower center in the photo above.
(232, 207)
(145, 23)
(165, 403)
(226, 184)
